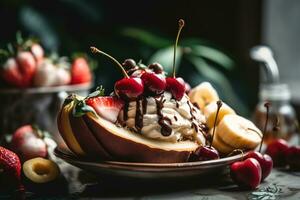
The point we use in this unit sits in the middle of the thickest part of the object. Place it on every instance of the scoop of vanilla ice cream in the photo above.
(185, 120)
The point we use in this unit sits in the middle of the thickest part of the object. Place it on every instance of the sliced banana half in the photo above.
(218, 144)
(239, 132)
(203, 94)
(210, 112)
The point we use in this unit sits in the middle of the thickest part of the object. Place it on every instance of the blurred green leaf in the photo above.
(195, 41)
(38, 24)
(213, 55)
(218, 78)
(146, 37)
(85, 9)
(165, 58)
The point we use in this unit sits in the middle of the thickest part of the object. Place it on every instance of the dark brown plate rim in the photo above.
(70, 157)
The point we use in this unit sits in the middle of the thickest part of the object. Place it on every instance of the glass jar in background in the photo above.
(282, 121)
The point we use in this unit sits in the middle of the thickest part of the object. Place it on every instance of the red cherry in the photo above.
(205, 153)
(154, 83)
(129, 88)
(278, 150)
(293, 158)
(246, 174)
(176, 86)
(265, 161)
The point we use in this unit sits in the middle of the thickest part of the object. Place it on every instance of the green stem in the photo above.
(181, 25)
(95, 50)
(219, 105)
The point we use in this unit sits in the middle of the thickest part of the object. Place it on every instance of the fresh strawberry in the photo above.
(11, 74)
(80, 71)
(10, 170)
(20, 71)
(63, 76)
(45, 74)
(107, 107)
(52, 73)
(27, 66)
(28, 143)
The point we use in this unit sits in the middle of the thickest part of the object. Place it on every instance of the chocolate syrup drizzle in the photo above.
(138, 116)
(191, 110)
(125, 113)
(144, 104)
(201, 127)
(166, 130)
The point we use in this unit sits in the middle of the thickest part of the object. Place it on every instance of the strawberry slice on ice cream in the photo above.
(107, 107)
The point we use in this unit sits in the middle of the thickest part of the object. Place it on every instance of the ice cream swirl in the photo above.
(164, 118)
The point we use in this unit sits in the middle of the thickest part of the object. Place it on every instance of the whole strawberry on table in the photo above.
(27, 163)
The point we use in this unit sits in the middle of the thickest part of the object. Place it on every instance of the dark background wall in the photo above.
(67, 26)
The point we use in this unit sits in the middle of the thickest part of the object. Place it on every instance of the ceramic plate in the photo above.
(149, 170)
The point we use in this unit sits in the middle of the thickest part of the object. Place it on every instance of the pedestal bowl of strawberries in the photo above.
(33, 84)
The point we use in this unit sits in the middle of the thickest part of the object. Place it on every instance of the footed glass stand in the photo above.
(34, 106)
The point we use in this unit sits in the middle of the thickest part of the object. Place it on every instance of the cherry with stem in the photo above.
(176, 85)
(128, 87)
(264, 160)
(208, 152)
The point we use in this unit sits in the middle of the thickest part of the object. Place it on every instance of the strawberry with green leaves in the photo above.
(107, 107)
(80, 71)
(19, 71)
(19, 62)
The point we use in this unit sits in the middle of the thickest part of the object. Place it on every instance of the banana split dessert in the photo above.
(151, 117)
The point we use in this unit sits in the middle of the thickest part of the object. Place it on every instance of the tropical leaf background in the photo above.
(66, 26)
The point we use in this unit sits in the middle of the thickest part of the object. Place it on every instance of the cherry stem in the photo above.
(180, 25)
(95, 50)
(235, 151)
(267, 106)
(219, 105)
(255, 131)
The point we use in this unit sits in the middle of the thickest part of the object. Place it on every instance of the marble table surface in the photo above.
(78, 184)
